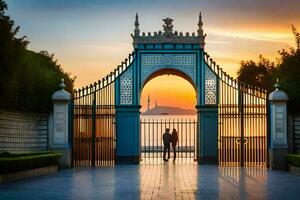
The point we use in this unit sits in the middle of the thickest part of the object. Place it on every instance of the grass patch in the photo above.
(19, 162)
(294, 159)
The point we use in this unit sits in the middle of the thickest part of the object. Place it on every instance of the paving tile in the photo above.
(159, 181)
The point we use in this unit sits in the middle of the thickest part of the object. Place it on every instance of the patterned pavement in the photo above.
(157, 181)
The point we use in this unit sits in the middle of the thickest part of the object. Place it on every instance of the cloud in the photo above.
(224, 35)
(93, 33)
(55, 4)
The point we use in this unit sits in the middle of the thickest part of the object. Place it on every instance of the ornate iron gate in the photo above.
(232, 115)
(152, 144)
(94, 121)
(242, 117)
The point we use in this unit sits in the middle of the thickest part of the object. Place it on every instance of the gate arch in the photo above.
(152, 127)
(154, 54)
(169, 71)
(107, 113)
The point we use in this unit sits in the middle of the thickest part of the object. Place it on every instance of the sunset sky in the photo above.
(90, 38)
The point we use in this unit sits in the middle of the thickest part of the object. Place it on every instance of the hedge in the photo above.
(20, 162)
(15, 155)
(294, 159)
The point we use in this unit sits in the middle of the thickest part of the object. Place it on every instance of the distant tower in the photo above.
(156, 104)
(136, 25)
(148, 101)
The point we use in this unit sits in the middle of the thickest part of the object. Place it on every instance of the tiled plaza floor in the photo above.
(160, 181)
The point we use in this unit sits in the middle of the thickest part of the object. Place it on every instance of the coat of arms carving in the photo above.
(168, 26)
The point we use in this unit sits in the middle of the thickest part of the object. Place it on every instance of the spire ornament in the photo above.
(277, 94)
(200, 24)
(136, 25)
(277, 84)
(168, 35)
(62, 85)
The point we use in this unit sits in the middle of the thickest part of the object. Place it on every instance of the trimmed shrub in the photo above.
(20, 162)
(15, 155)
(294, 159)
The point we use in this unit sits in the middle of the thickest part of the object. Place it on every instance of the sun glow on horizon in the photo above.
(169, 90)
(243, 45)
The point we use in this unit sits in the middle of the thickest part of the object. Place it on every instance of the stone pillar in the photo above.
(127, 134)
(278, 128)
(207, 134)
(59, 139)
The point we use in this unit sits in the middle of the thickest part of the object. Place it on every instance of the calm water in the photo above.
(169, 117)
(153, 126)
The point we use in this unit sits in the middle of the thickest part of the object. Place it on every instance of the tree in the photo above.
(288, 72)
(264, 73)
(297, 36)
(258, 74)
(10, 47)
(27, 79)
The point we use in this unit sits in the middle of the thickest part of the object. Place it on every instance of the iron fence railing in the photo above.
(94, 120)
(242, 117)
(152, 142)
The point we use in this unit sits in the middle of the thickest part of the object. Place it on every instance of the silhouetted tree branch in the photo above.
(297, 36)
(264, 73)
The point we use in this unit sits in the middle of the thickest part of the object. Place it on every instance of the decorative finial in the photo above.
(200, 24)
(62, 84)
(277, 84)
(168, 26)
(136, 25)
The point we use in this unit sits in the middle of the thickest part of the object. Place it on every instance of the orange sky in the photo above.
(169, 90)
(91, 38)
(227, 47)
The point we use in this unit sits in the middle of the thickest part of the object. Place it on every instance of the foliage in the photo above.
(27, 79)
(297, 36)
(258, 74)
(288, 72)
(32, 85)
(264, 73)
(294, 159)
(14, 162)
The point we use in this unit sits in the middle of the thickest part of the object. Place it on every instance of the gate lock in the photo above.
(244, 140)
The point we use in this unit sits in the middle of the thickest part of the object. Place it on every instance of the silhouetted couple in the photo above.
(167, 140)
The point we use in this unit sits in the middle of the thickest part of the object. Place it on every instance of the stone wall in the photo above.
(23, 132)
(296, 135)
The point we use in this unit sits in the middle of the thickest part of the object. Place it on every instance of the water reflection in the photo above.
(168, 181)
(240, 183)
(126, 182)
(193, 181)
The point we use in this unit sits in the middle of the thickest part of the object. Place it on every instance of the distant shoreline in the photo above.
(166, 114)
(168, 110)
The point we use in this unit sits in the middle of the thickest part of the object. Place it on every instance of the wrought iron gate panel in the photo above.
(242, 121)
(152, 143)
(94, 121)
(242, 128)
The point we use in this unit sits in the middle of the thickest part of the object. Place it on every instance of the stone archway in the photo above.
(155, 119)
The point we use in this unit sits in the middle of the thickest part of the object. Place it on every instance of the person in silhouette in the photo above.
(167, 141)
(174, 140)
